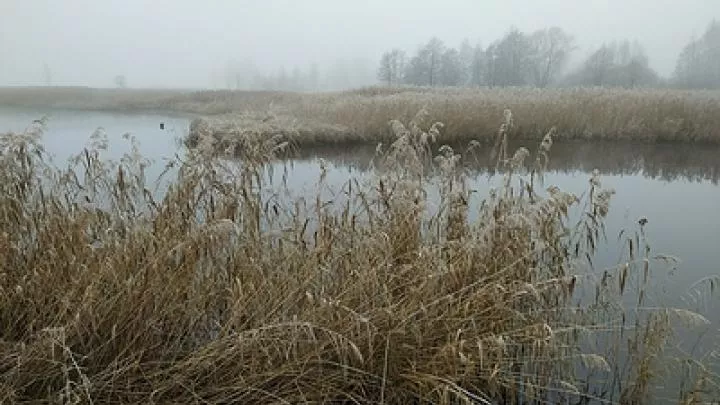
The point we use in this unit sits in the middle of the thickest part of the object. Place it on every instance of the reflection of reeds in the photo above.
(662, 161)
(231, 290)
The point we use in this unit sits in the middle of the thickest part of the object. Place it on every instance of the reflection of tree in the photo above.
(667, 162)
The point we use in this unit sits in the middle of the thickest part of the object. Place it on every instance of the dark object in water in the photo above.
(162, 125)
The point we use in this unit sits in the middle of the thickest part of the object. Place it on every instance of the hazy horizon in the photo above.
(189, 44)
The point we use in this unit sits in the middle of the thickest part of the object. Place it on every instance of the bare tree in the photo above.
(698, 65)
(491, 66)
(434, 50)
(600, 64)
(47, 74)
(686, 66)
(467, 54)
(550, 51)
(622, 64)
(424, 67)
(636, 69)
(479, 67)
(392, 66)
(510, 59)
(450, 72)
(121, 81)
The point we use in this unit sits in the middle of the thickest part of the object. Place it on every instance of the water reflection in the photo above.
(666, 162)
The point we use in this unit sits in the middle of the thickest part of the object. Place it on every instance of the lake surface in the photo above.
(675, 187)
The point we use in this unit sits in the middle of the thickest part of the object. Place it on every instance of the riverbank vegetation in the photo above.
(228, 289)
(361, 116)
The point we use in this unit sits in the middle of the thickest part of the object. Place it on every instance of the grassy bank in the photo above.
(361, 116)
(228, 290)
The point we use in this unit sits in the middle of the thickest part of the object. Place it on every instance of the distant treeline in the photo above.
(537, 59)
(540, 59)
(342, 74)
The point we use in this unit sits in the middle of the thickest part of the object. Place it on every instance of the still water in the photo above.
(675, 187)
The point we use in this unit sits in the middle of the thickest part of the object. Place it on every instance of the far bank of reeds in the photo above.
(361, 116)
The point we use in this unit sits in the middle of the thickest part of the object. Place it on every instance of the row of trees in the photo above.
(540, 59)
(617, 64)
(699, 63)
(518, 59)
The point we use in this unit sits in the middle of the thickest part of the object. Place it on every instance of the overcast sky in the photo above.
(180, 43)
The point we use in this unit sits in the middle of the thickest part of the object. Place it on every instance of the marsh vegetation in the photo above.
(229, 288)
(361, 116)
(370, 202)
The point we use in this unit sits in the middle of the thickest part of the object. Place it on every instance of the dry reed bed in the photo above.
(361, 116)
(641, 115)
(471, 114)
(232, 292)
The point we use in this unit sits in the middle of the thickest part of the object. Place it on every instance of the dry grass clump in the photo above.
(227, 290)
(231, 130)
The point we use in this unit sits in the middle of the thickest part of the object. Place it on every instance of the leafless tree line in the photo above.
(540, 59)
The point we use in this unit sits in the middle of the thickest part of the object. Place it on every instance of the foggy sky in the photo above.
(182, 43)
